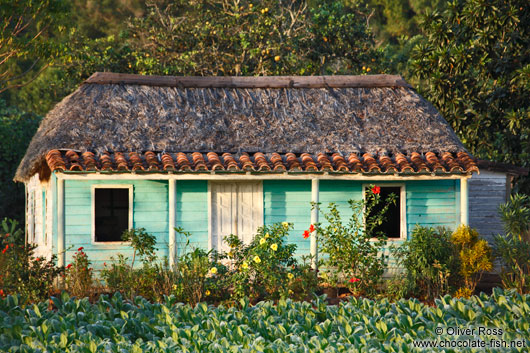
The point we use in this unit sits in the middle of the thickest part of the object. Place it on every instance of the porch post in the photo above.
(314, 220)
(172, 222)
(464, 204)
(60, 223)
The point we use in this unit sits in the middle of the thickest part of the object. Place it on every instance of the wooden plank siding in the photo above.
(192, 213)
(486, 192)
(150, 211)
(428, 202)
(289, 201)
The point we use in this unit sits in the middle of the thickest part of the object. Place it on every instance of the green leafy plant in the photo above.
(260, 269)
(20, 271)
(513, 248)
(79, 275)
(474, 253)
(430, 261)
(354, 251)
(142, 242)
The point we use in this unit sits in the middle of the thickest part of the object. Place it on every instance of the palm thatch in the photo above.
(345, 114)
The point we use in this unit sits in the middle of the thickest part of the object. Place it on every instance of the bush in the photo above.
(260, 269)
(474, 255)
(79, 275)
(431, 263)
(350, 254)
(153, 280)
(513, 249)
(20, 271)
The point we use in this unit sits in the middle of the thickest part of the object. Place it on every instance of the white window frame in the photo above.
(110, 186)
(402, 208)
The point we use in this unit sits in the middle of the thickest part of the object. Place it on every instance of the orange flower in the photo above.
(306, 234)
(311, 228)
(376, 190)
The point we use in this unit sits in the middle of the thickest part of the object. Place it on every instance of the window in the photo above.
(393, 225)
(112, 212)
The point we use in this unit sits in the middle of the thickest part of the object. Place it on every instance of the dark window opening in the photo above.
(391, 225)
(112, 214)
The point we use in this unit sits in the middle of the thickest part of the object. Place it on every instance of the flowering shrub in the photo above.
(20, 271)
(348, 249)
(79, 276)
(260, 269)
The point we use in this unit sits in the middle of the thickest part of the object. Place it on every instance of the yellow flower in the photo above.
(364, 67)
(213, 270)
(277, 58)
(262, 241)
(334, 229)
(207, 292)
(174, 287)
(290, 292)
(274, 247)
(250, 5)
(285, 225)
(230, 254)
(244, 266)
(267, 235)
(257, 259)
(368, 69)
(290, 276)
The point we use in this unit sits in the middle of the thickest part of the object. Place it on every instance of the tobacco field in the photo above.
(359, 325)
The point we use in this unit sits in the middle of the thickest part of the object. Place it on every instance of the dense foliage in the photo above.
(513, 248)
(430, 262)
(360, 325)
(21, 272)
(16, 130)
(475, 63)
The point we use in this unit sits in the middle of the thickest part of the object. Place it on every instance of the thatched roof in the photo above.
(380, 115)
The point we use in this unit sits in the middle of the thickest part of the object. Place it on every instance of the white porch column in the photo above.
(464, 204)
(172, 199)
(60, 223)
(314, 220)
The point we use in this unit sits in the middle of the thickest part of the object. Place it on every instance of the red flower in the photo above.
(354, 279)
(2, 292)
(306, 234)
(37, 259)
(69, 265)
(376, 190)
(311, 228)
(80, 249)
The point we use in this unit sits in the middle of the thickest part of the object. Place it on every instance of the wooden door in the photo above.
(237, 208)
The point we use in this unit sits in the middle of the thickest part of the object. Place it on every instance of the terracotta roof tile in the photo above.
(150, 161)
(370, 164)
(167, 162)
(214, 162)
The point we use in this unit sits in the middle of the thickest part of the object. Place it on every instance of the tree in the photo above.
(271, 37)
(27, 44)
(16, 128)
(475, 65)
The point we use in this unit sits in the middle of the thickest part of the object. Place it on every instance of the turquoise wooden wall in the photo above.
(429, 203)
(192, 212)
(289, 201)
(150, 211)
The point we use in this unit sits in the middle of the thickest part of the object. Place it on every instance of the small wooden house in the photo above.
(221, 155)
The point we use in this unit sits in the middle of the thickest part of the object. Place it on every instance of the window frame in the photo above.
(93, 225)
(402, 208)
